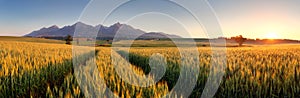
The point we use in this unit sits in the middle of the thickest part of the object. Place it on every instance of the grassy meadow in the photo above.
(29, 39)
(44, 68)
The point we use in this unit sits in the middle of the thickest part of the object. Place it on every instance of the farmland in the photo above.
(32, 40)
(46, 70)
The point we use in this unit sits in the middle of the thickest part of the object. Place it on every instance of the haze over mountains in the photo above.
(104, 32)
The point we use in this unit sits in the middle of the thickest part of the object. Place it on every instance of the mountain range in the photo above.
(122, 31)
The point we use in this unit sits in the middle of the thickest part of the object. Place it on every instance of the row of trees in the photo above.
(239, 39)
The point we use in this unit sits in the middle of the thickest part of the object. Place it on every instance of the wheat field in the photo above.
(46, 70)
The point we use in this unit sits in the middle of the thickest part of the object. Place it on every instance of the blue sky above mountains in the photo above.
(251, 18)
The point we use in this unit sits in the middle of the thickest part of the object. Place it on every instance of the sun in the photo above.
(272, 35)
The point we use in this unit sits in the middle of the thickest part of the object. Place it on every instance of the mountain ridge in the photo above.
(122, 31)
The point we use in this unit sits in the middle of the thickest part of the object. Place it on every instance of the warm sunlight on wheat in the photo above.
(46, 70)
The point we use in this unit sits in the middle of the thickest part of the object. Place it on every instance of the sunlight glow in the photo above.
(272, 35)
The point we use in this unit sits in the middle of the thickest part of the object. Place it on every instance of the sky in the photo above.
(250, 18)
(19, 17)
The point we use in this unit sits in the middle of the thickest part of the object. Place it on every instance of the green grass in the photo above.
(29, 39)
(157, 43)
(122, 43)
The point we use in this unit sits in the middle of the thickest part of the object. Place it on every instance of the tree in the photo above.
(240, 39)
(107, 41)
(68, 39)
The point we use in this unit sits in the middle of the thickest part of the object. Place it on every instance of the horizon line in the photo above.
(180, 38)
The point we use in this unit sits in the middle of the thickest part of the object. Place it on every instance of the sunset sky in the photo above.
(250, 18)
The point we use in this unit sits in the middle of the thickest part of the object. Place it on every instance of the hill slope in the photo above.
(122, 31)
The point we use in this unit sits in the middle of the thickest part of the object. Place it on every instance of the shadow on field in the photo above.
(172, 69)
(172, 72)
